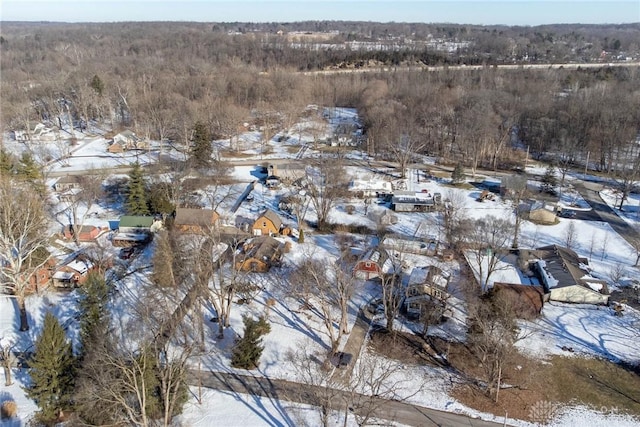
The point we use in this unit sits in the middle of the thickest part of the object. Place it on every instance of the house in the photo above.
(260, 254)
(195, 221)
(41, 278)
(426, 284)
(267, 224)
(374, 263)
(127, 140)
(66, 183)
(428, 246)
(566, 277)
(115, 148)
(87, 233)
(33, 131)
(135, 230)
(137, 224)
(410, 201)
(538, 211)
(526, 300)
(383, 217)
(73, 274)
(370, 188)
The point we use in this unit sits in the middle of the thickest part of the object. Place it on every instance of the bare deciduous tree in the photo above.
(488, 238)
(7, 359)
(23, 241)
(80, 201)
(493, 334)
(570, 235)
(333, 287)
(327, 186)
(516, 187)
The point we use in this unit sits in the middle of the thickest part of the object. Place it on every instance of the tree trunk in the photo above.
(516, 230)
(24, 321)
(220, 327)
(390, 323)
(7, 374)
(344, 325)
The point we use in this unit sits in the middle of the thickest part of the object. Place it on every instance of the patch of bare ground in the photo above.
(528, 384)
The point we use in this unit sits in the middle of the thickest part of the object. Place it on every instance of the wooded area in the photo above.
(160, 79)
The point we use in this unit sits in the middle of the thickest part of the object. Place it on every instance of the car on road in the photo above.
(567, 213)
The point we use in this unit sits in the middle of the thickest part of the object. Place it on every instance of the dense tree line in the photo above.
(161, 80)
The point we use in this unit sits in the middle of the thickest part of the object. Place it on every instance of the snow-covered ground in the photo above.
(589, 330)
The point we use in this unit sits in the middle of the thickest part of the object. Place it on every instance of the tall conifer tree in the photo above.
(201, 150)
(52, 371)
(137, 192)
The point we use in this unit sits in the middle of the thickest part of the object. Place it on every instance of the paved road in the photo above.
(590, 192)
(390, 410)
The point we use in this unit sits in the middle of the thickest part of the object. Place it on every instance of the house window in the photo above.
(414, 306)
(264, 223)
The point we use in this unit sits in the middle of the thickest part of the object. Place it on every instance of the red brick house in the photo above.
(73, 274)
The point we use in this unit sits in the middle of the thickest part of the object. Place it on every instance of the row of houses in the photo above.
(562, 276)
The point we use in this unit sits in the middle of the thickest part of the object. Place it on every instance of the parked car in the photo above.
(567, 213)
(127, 253)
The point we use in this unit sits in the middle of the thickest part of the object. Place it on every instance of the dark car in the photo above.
(342, 360)
(127, 253)
(567, 213)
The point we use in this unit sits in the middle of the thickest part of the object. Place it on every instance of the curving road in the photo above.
(591, 193)
(391, 410)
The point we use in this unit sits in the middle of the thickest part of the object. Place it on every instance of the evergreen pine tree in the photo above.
(52, 371)
(549, 180)
(94, 316)
(97, 85)
(457, 176)
(136, 192)
(28, 168)
(201, 151)
(248, 349)
(6, 163)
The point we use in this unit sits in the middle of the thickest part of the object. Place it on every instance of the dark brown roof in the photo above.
(562, 264)
(527, 300)
(191, 216)
(264, 248)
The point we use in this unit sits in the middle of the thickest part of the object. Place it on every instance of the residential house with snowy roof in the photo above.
(375, 263)
(426, 284)
(73, 274)
(566, 277)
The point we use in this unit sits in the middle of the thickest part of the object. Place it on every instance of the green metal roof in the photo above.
(136, 221)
